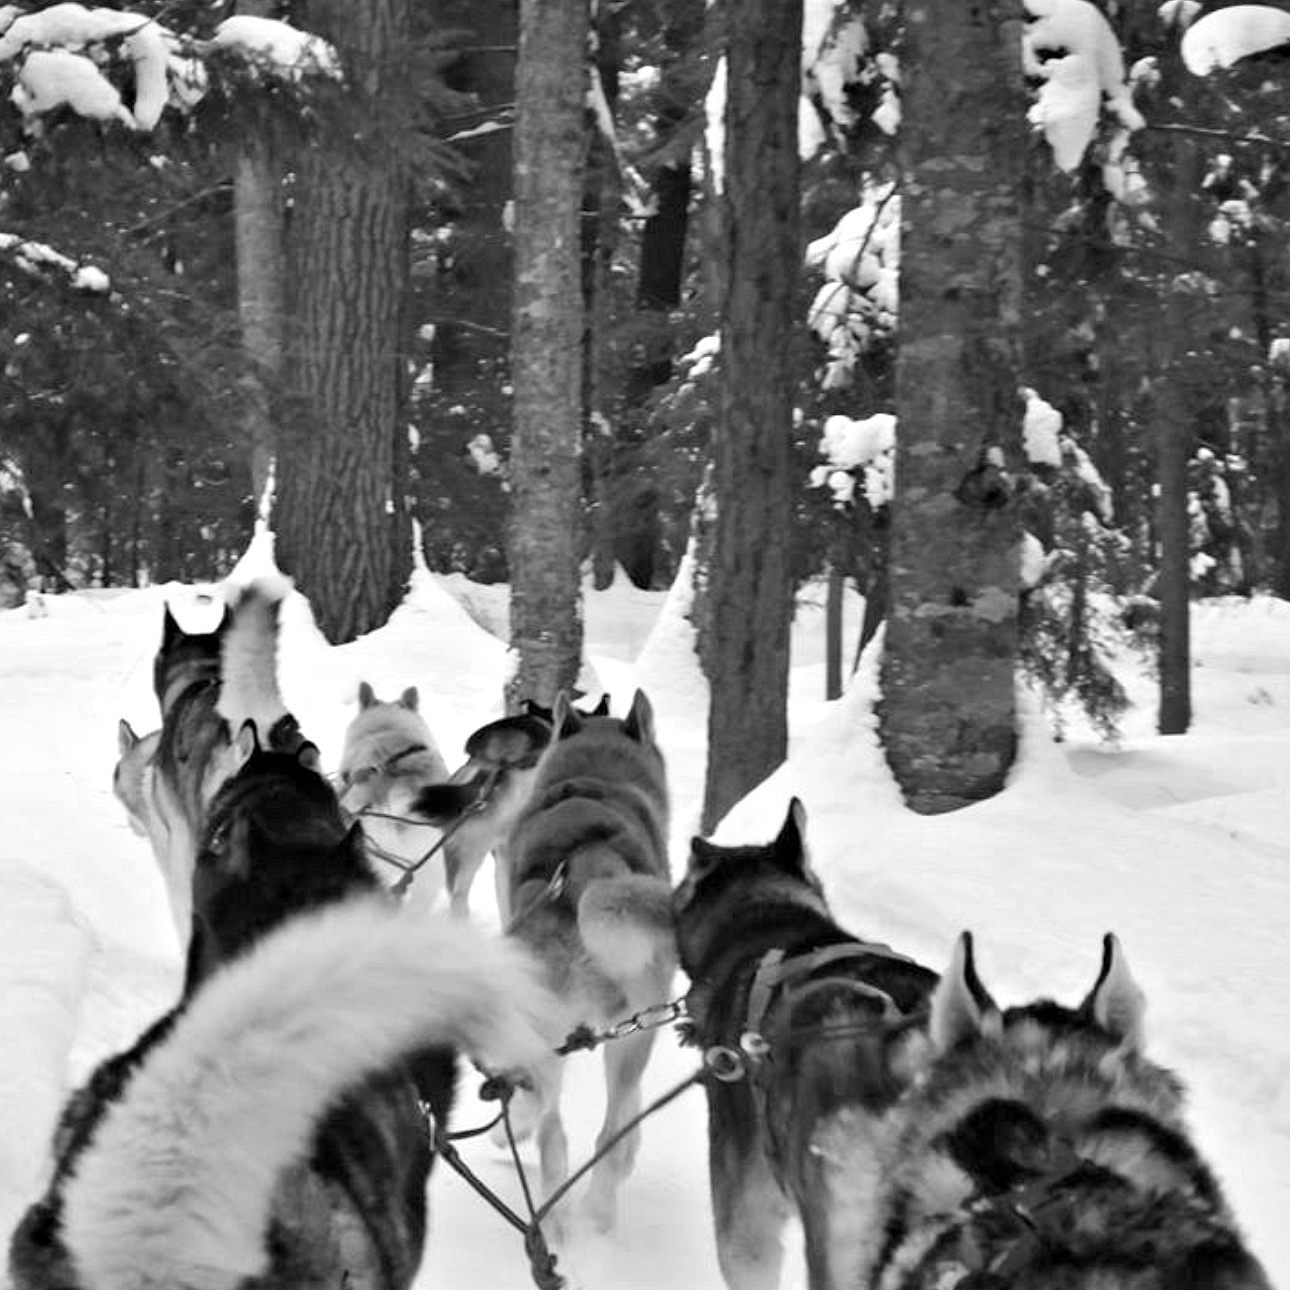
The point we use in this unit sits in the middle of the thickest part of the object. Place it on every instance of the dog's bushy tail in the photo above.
(175, 1190)
(249, 660)
(626, 926)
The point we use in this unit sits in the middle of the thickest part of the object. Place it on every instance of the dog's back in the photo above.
(588, 850)
(1040, 1147)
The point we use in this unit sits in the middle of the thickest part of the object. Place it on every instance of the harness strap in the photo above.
(775, 970)
(366, 772)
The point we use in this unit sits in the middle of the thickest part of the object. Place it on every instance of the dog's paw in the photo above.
(600, 1209)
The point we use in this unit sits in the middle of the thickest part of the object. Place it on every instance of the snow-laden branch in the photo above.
(37, 258)
(72, 56)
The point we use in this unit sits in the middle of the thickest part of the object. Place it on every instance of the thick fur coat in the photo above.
(1039, 1146)
(589, 895)
(810, 1027)
(267, 1132)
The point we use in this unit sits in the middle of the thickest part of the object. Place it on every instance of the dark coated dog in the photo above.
(807, 1030)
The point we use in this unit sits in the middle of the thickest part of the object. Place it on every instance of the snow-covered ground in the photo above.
(1179, 845)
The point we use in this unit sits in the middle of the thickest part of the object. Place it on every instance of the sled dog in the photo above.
(805, 1026)
(589, 891)
(1041, 1147)
(483, 797)
(389, 754)
(206, 685)
(267, 1132)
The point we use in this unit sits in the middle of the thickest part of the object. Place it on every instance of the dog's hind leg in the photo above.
(463, 853)
(749, 1212)
(625, 1061)
(502, 882)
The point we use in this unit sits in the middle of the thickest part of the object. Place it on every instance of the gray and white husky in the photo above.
(590, 898)
(1040, 1147)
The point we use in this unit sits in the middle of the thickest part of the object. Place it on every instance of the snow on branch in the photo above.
(71, 56)
(860, 262)
(1225, 36)
(1070, 48)
(37, 257)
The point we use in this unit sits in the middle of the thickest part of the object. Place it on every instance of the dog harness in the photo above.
(776, 971)
(364, 773)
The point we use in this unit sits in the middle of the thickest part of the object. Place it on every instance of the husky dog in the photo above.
(589, 891)
(267, 1132)
(133, 775)
(206, 684)
(1040, 1147)
(804, 1026)
(388, 756)
(483, 797)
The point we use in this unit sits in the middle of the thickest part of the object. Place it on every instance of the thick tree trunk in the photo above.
(948, 706)
(750, 588)
(341, 525)
(545, 538)
(257, 199)
(261, 284)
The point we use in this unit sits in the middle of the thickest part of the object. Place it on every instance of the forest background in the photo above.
(231, 252)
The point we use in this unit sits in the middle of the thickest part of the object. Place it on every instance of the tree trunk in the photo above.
(261, 284)
(338, 499)
(948, 706)
(1174, 397)
(545, 537)
(750, 588)
(1173, 407)
(833, 604)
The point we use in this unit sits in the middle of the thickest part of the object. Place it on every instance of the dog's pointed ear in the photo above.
(309, 757)
(1116, 1002)
(354, 843)
(366, 695)
(410, 698)
(791, 842)
(639, 722)
(705, 858)
(565, 720)
(170, 628)
(125, 737)
(961, 1005)
(248, 740)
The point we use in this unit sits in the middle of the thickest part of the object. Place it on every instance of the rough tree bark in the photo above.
(261, 283)
(1173, 415)
(545, 537)
(342, 528)
(948, 708)
(750, 590)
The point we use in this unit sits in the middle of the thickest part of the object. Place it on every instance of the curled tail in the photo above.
(249, 659)
(627, 927)
(175, 1190)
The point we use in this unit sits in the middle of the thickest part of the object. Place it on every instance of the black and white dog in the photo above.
(267, 1132)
